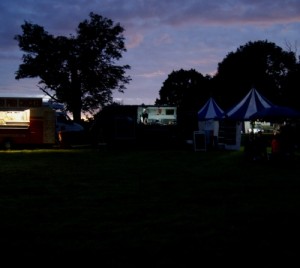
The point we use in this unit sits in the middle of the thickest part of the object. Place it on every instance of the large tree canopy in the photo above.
(79, 71)
(260, 64)
(187, 90)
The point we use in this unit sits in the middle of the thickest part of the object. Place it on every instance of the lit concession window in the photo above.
(15, 118)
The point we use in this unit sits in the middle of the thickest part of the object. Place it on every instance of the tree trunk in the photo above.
(77, 116)
(76, 102)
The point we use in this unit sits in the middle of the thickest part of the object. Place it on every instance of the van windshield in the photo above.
(63, 118)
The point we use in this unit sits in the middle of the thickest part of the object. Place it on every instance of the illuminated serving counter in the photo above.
(14, 119)
(14, 126)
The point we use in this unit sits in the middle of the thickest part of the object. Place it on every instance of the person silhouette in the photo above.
(145, 117)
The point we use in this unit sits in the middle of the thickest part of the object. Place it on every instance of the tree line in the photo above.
(275, 73)
(81, 71)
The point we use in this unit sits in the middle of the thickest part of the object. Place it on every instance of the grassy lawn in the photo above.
(167, 206)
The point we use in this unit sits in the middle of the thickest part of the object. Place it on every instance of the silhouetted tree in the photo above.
(291, 88)
(79, 71)
(187, 90)
(259, 64)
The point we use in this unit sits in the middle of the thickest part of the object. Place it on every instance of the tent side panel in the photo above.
(230, 134)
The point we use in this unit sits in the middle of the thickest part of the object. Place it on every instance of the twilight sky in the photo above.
(161, 36)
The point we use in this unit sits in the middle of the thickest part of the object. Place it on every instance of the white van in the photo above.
(64, 123)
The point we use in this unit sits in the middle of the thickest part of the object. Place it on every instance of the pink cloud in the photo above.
(163, 39)
(152, 74)
(134, 40)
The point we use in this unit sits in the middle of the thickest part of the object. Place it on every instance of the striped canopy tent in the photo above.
(252, 103)
(208, 121)
(210, 110)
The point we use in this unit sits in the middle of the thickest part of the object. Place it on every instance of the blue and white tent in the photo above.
(252, 103)
(208, 121)
(210, 110)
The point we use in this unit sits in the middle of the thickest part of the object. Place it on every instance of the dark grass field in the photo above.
(157, 208)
